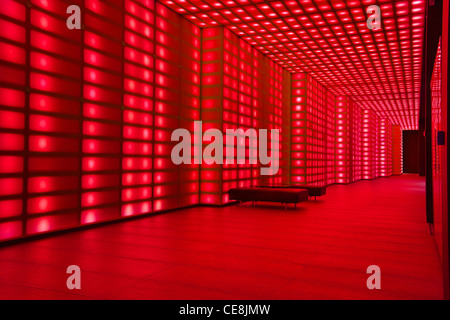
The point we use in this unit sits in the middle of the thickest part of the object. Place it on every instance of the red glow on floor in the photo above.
(319, 250)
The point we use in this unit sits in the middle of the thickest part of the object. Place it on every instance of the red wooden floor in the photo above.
(318, 251)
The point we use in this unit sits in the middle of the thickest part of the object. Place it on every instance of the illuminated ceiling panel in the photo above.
(380, 69)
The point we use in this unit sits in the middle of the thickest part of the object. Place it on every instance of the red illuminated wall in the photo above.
(13, 118)
(298, 124)
(241, 88)
(385, 135)
(211, 108)
(88, 139)
(356, 143)
(101, 123)
(397, 150)
(86, 116)
(331, 139)
(369, 145)
(274, 110)
(310, 112)
(348, 140)
(437, 152)
(344, 111)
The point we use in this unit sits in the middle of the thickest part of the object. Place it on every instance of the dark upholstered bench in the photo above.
(313, 191)
(282, 195)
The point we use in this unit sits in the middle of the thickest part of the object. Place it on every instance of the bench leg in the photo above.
(295, 205)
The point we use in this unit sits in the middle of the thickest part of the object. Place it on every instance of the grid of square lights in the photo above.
(330, 39)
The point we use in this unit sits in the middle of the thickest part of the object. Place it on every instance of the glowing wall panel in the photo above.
(316, 130)
(258, 101)
(356, 144)
(245, 109)
(344, 114)
(138, 106)
(86, 115)
(309, 127)
(369, 144)
(273, 115)
(241, 89)
(102, 111)
(211, 109)
(397, 150)
(235, 111)
(298, 128)
(438, 122)
(13, 117)
(376, 155)
(385, 136)
(167, 106)
(285, 152)
(190, 81)
(54, 131)
(331, 139)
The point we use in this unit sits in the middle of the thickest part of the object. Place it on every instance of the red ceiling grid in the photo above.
(379, 69)
(385, 133)
(397, 150)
